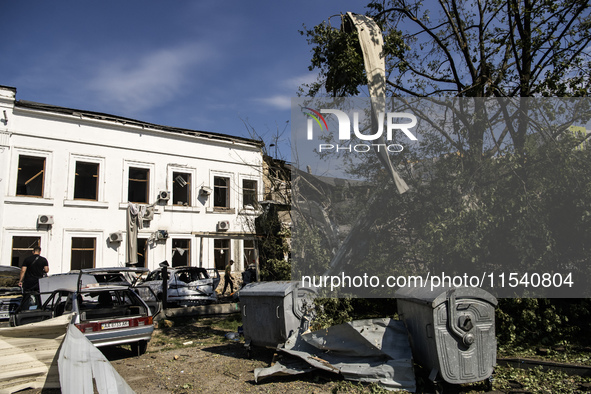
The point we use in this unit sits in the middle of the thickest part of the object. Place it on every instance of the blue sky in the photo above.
(201, 65)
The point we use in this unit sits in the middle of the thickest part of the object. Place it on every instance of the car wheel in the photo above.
(139, 348)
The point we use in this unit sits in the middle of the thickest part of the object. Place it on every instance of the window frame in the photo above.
(247, 250)
(193, 194)
(188, 250)
(72, 250)
(146, 250)
(99, 237)
(255, 191)
(12, 249)
(227, 253)
(150, 195)
(230, 192)
(100, 189)
(47, 175)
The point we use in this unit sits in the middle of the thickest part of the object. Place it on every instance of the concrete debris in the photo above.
(28, 355)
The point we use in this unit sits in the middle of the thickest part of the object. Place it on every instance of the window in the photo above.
(142, 252)
(249, 194)
(31, 176)
(86, 181)
(154, 275)
(221, 252)
(139, 185)
(181, 252)
(221, 192)
(181, 188)
(249, 253)
(83, 253)
(22, 247)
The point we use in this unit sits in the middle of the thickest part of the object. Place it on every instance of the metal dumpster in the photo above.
(271, 311)
(452, 331)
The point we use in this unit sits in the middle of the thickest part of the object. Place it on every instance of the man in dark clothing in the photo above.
(228, 277)
(250, 275)
(34, 267)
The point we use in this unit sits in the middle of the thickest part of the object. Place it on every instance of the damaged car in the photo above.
(187, 286)
(125, 276)
(10, 292)
(106, 314)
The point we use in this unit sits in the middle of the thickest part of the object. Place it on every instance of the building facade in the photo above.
(67, 178)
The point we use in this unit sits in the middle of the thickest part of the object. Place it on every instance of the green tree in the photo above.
(473, 48)
(488, 196)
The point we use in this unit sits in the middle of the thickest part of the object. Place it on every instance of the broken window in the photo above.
(221, 192)
(142, 252)
(139, 185)
(249, 253)
(181, 188)
(83, 253)
(181, 252)
(31, 176)
(86, 181)
(221, 252)
(22, 247)
(249, 193)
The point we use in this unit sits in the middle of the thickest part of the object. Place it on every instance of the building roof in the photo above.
(127, 121)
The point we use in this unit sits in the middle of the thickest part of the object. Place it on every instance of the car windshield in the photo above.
(114, 277)
(192, 275)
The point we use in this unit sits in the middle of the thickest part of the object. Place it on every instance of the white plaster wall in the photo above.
(63, 139)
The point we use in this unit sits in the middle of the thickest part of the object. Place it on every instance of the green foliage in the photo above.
(273, 246)
(310, 249)
(470, 49)
(348, 387)
(478, 209)
(334, 311)
(338, 56)
(537, 380)
(524, 322)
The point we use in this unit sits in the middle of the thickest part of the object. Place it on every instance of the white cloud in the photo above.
(296, 82)
(281, 102)
(138, 83)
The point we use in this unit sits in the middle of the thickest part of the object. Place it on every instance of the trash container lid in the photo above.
(435, 297)
(273, 289)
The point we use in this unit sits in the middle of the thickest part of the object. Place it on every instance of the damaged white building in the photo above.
(67, 177)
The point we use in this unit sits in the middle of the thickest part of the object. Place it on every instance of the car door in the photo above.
(31, 310)
(154, 281)
(214, 275)
(149, 297)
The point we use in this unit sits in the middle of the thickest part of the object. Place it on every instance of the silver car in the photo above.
(186, 285)
(106, 314)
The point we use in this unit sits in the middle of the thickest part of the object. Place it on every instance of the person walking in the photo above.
(34, 267)
(228, 277)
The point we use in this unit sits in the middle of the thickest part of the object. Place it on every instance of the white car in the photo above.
(107, 314)
(186, 285)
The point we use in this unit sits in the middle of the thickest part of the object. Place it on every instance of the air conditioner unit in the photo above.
(181, 181)
(116, 237)
(161, 234)
(164, 195)
(223, 225)
(205, 191)
(149, 215)
(45, 219)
